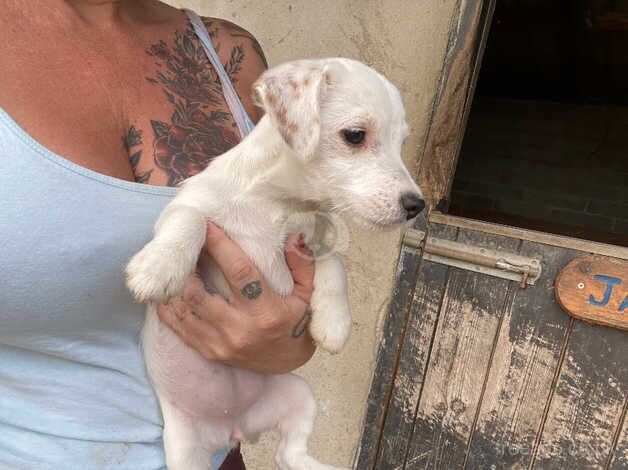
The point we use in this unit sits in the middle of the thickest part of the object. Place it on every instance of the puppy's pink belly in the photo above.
(193, 384)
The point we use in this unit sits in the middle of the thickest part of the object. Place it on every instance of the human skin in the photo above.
(101, 69)
(256, 328)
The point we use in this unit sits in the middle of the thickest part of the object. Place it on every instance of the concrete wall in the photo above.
(405, 40)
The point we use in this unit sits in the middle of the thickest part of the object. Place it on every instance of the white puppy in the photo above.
(330, 140)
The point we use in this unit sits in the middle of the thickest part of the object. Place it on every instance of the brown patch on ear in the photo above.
(290, 95)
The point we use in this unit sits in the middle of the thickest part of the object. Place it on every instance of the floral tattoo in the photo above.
(196, 133)
(132, 139)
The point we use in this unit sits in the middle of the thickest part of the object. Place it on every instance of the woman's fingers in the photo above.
(245, 280)
(206, 305)
(301, 264)
(181, 318)
(196, 318)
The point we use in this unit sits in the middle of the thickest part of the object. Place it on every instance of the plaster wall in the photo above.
(406, 41)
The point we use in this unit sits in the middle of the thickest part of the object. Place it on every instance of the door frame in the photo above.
(468, 33)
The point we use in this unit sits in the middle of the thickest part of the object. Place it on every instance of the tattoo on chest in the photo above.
(133, 139)
(200, 126)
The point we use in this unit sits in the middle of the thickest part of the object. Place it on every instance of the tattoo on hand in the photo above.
(302, 324)
(208, 288)
(252, 290)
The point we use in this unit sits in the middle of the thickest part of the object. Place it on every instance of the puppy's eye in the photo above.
(354, 136)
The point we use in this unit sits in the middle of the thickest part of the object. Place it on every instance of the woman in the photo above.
(106, 106)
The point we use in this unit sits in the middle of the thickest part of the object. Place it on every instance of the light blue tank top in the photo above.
(73, 388)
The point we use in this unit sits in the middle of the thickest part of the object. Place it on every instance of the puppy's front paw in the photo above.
(158, 272)
(331, 325)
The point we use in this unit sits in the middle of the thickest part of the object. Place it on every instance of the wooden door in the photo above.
(476, 372)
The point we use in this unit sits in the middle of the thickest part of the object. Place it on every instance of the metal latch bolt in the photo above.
(522, 269)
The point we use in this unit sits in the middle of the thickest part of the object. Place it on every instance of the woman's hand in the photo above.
(258, 330)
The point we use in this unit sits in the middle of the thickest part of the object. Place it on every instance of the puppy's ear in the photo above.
(290, 94)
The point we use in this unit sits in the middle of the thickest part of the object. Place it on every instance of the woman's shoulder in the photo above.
(235, 34)
(242, 55)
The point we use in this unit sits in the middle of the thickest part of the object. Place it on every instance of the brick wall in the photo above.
(558, 167)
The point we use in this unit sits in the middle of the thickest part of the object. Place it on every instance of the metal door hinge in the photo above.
(501, 264)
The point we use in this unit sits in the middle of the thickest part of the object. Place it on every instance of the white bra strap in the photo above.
(244, 123)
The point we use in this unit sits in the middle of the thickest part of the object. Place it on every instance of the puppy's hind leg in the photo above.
(287, 403)
(185, 441)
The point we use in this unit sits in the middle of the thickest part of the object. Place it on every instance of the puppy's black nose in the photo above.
(413, 204)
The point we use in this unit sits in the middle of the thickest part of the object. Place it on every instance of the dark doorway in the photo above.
(546, 146)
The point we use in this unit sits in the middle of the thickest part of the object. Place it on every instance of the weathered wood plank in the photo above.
(387, 357)
(524, 366)
(427, 299)
(618, 460)
(467, 39)
(562, 241)
(469, 320)
(587, 404)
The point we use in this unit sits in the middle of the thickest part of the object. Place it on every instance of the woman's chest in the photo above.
(66, 239)
(149, 110)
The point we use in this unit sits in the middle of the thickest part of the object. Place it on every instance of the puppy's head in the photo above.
(346, 123)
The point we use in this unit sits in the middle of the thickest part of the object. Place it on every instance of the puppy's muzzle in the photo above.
(412, 204)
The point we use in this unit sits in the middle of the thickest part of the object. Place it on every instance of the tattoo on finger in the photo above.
(252, 290)
(208, 288)
(302, 324)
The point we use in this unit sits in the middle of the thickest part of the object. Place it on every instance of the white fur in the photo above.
(296, 160)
